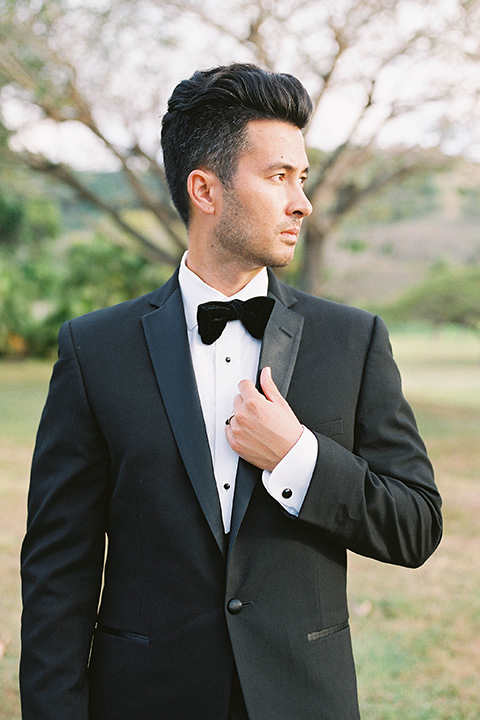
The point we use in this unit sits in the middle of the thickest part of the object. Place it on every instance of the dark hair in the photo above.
(205, 124)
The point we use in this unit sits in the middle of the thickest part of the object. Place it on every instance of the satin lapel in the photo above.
(280, 345)
(279, 351)
(167, 340)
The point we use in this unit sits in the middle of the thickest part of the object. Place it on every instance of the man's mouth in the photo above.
(291, 234)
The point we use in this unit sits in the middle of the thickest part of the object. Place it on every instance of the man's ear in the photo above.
(204, 189)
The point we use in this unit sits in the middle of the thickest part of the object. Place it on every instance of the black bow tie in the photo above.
(213, 316)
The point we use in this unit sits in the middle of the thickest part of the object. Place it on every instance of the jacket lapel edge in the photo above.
(167, 341)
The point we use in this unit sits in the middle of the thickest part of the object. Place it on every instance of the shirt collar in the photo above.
(195, 291)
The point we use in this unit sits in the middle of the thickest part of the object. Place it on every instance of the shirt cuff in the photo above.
(290, 479)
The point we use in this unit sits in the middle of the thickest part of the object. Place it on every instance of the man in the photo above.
(230, 472)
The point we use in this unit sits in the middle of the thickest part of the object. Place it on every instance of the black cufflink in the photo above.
(287, 493)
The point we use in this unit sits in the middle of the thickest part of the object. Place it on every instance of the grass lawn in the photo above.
(23, 388)
(416, 633)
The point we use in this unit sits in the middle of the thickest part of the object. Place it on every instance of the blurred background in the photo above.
(394, 148)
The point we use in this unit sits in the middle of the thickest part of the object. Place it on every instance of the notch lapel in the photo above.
(166, 336)
(279, 351)
(280, 345)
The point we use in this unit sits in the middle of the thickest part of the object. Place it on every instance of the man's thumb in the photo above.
(269, 388)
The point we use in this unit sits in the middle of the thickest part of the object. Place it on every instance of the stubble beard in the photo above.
(234, 236)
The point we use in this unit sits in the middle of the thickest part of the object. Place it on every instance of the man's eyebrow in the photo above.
(285, 166)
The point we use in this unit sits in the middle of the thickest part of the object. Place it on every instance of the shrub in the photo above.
(450, 295)
(41, 287)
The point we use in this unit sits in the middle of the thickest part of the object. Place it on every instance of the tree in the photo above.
(11, 215)
(28, 272)
(368, 64)
(450, 296)
(50, 58)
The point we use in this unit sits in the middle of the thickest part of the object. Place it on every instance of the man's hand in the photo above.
(263, 429)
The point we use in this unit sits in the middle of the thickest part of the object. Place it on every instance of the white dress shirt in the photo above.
(218, 370)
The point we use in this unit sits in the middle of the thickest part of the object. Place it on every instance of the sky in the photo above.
(332, 124)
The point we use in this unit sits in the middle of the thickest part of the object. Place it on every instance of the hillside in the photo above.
(373, 263)
(387, 245)
(396, 256)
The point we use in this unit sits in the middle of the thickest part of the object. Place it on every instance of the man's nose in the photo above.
(300, 205)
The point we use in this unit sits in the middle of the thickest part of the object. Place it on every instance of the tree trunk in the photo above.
(312, 259)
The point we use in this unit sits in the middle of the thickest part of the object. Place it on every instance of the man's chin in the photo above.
(279, 264)
(281, 261)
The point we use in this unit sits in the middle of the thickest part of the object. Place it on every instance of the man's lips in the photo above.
(291, 233)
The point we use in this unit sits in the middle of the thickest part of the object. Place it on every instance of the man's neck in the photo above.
(227, 278)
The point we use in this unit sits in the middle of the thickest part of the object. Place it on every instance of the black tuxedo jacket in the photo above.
(122, 452)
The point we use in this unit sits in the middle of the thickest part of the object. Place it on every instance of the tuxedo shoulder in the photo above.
(123, 312)
(128, 308)
(319, 303)
(344, 327)
(314, 307)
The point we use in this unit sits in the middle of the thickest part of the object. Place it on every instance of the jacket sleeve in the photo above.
(63, 551)
(380, 500)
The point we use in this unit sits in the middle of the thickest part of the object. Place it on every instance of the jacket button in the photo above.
(287, 493)
(234, 606)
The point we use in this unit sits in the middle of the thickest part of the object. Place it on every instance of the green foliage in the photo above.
(414, 197)
(451, 295)
(44, 281)
(471, 201)
(41, 287)
(28, 274)
(28, 219)
(98, 274)
(354, 245)
(11, 215)
(28, 278)
(41, 220)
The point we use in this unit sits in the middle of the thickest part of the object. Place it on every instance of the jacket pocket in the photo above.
(122, 633)
(328, 631)
(331, 428)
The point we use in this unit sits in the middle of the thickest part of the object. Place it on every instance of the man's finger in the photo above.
(269, 388)
(247, 389)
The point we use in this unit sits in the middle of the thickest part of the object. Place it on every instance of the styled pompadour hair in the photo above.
(205, 124)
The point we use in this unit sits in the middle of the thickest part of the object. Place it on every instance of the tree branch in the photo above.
(64, 174)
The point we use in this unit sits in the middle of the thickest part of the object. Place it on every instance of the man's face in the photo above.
(263, 209)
